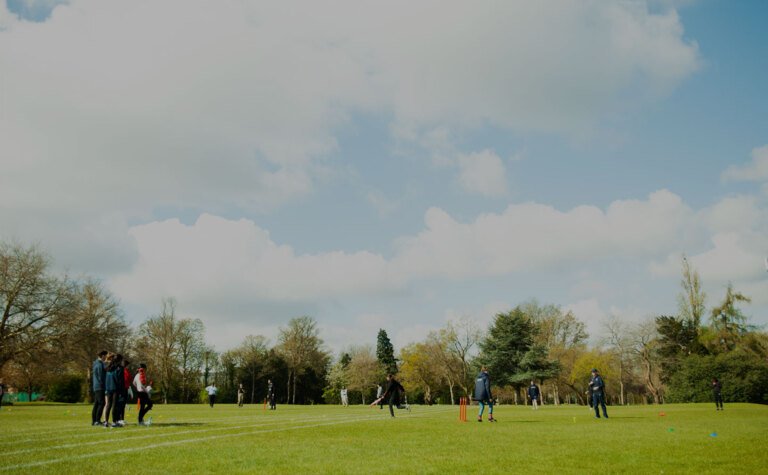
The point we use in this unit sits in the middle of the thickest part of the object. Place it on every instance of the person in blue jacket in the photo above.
(483, 394)
(597, 386)
(98, 376)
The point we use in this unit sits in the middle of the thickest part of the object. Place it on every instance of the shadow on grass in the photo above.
(177, 424)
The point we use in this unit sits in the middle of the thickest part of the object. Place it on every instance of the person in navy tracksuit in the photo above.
(717, 392)
(534, 394)
(597, 386)
(483, 394)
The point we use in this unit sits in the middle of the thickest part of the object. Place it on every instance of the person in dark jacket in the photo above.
(122, 396)
(271, 395)
(113, 387)
(98, 375)
(717, 392)
(392, 394)
(483, 394)
(534, 394)
(597, 386)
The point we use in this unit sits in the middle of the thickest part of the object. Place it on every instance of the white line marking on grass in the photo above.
(143, 434)
(201, 439)
(98, 432)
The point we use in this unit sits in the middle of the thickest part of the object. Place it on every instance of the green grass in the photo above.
(332, 439)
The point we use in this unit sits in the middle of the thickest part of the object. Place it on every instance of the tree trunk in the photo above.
(450, 387)
(621, 385)
(288, 394)
(253, 388)
(294, 389)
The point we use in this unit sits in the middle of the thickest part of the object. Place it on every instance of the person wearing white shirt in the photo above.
(344, 399)
(211, 394)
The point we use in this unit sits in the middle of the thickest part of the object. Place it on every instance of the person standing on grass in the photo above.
(379, 393)
(113, 384)
(123, 397)
(483, 394)
(212, 394)
(534, 394)
(240, 395)
(98, 374)
(271, 395)
(597, 386)
(143, 387)
(717, 392)
(344, 399)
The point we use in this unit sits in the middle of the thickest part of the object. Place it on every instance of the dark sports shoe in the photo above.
(491, 419)
(479, 419)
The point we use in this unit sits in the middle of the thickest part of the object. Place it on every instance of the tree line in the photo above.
(53, 325)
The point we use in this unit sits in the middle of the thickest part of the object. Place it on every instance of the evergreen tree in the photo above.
(508, 341)
(385, 353)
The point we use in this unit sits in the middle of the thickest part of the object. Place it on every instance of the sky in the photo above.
(393, 165)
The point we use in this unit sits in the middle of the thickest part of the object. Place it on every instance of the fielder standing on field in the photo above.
(597, 386)
(483, 394)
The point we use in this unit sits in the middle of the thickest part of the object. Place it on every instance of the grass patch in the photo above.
(325, 439)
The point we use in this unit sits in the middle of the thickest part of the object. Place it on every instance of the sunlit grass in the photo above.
(325, 439)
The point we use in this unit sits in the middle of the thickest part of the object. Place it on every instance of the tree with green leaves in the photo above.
(385, 353)
(508, 340)
(363, 370)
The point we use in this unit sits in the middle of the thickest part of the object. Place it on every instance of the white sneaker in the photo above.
(149, 421)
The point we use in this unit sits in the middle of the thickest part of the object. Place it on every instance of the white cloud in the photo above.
(237, 105)
(236, 262)
(756, 170)
(483, 173)
(531, 235)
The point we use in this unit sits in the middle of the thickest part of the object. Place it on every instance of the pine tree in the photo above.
(385, 353)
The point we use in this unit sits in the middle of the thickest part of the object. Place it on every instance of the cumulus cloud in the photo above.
(221, 260)
(532, 235)
(483, 173)
(756, 170)
(216, 259)
(237, 105)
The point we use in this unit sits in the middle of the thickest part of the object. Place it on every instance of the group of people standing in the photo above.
(114, 387)
(212, 390)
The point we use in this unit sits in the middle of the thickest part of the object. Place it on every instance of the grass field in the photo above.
(332, 439)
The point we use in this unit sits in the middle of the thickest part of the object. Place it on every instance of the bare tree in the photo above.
(691, 300)
(191, 349)
(645, 342)
(35, 305)
(97, 324)
(463, 340)
(619, 340)
(160, 344)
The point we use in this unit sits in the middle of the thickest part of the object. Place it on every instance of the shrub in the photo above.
(66, 388)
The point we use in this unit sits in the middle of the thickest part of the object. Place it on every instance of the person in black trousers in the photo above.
(597, 385)
(392, 394)
(717, 392)
(98, 377)
(271, 395)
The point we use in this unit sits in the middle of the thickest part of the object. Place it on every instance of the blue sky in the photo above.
(258, 162)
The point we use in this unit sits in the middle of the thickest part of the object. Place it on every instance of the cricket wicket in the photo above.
(463, 409)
